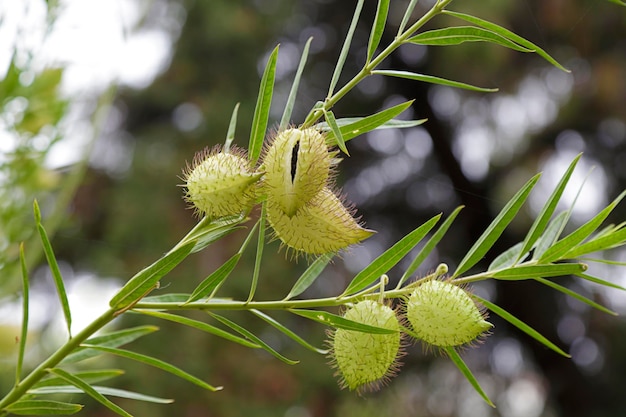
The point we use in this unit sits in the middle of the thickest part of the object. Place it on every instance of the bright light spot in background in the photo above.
(524, 398)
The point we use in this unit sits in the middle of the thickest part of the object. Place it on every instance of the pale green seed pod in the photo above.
(297, 167)
(221, 183)
(443, 314)
(365, 360)
(323, 225)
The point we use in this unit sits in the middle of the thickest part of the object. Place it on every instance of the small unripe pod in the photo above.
(443, 314)
(221, 183)
(366, 359)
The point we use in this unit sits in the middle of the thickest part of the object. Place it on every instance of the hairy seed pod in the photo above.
(443, 314)
(367, 359)
(297, 166)
(321, 226)
(221, 184)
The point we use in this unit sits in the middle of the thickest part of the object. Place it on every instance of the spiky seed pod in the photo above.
(443, 314)
(221, 183)
(297, 166)
(321, 226)
(364, 360)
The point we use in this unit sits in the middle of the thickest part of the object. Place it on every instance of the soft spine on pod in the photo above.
(365, 360)
(221, 183)
(304, 212)
(443, 314)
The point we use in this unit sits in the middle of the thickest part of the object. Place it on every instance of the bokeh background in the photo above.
(103, 103)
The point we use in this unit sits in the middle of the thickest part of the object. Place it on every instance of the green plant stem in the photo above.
(368, 68)
(53, 360)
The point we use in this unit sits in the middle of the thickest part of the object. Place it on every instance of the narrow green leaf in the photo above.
(167, 298)
(230, 135)
(620, 2)
(535, 271)
(218, 276)
(507, 258)
(252, 337)
(460, 34)
(154, 362)
(563, 246)
(495, 229)
(407, 15)
(259, 253)
(389, 258)
(309, 276)
(432, 80)
(43, 408)
(541, 222)
(551, 234)
(599, 281)
(262, 109)
(608, 241)
(343, 55)
(112, 392)
(89, 390)
(521, 325)
(332, 122)
(353, 127)
(291, 99)
(205, 327)
(339, 322)
(25, 309)
(208, 231)
(288, 332)
(90, 377)
(145, 280)
(113, 339)
(54, 268)
(507, 34)
(456, 359)
(377, 28)
(430, 244)
(575, 295)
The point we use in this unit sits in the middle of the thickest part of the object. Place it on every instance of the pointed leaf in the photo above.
(259, 253)
(507, 258)
(608, 241)
(461, 34)
(200, 325)
(521, 325)
(230, 135)
(541, 222)
(407, 15)
(551, 234)
(113, 339)
(54, 268)
(43, 408)
(507, 34)
(89, 390)
(389, 258)
(252, 337)
(534, 271)
(211, 282)
(332, 123)
(288, 332)
(456, 359)
(563, 246)
(25, 309)
(599, 281)
(377, 28)
(262, 109)
(432, 80)
(496, 228)
(345, 48)
(112, 392)
(291, 99)
(575, 295)
(157, 363)
(145, 280)
(339, 322)
(309, 276)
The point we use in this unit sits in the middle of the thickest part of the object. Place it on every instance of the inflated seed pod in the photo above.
(443, 314)
(221, 183)
(365, 360)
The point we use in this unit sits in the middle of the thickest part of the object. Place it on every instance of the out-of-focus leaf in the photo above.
(461, 34)
(91, 377)
(230, 135)
(339, 322)
(407, 15)
(291, 99)
(288, 332)
(377, 28)
(345, 48)
(262, 109)
(43, 408)
(575, 295)
(536, 271)
(259, 253)
(309, 276)
(507, 258)
(599, 281)
(218, 276)
(25, 310)
(458, 362)
(432, 80)
(112, 392)
(495, 229)
(551, 234)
